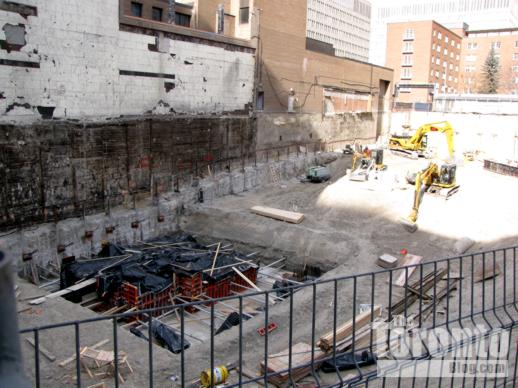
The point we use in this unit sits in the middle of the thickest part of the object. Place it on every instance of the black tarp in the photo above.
(347, 361)
(168, 338)
(232, 320)
(151, 270)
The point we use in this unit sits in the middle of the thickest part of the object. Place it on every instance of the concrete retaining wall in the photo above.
(285, 128)
(44, 239)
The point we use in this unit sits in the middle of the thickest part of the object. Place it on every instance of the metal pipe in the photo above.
(11, 368)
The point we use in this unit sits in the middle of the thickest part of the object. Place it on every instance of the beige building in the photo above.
(294, 71)
(475, 49)
(425, 57)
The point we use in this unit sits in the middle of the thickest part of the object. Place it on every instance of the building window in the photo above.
(471, 58)
(496, 45)
(516, 44)
(156, 14)
(182, 19)
(472, 46)
(438, 49)
(409, 34)
(407, 60)
(136, 9)
(244, 11)
(514, 69)
(406, 73)
(439, 36)
(259, 103)
(408, 47)
(515, 57)
(446, 39)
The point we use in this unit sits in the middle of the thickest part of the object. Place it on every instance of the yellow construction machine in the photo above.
(418, 142)
(438, 178)
(365, 162)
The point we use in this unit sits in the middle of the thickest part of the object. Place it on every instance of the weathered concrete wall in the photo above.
(73, 58)
(44, 239)
(55, 170)
(495, 136)
(277, 129)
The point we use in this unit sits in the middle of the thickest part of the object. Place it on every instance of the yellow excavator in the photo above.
(418, 142)
(365, 162)
(438, 178)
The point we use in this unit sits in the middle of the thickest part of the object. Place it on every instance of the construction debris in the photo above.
(48, 355)
(462, 245)
(417, 290)
(72, 358)
(387, 261)
(346, 361)
(487, 271)
(410, 261)
(326, 341)
(277, 214)
(279, 364)
(103, 362)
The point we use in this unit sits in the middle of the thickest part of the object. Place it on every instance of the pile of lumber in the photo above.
(345, 331)
(278, 364)
(423, 290)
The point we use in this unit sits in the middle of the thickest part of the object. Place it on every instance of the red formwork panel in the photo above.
(148, 300)
(240, 285)
(189, 286)
(218, 289)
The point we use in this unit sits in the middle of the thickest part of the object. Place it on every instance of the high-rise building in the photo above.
(478, 14)
(343, 23)
(425, 57)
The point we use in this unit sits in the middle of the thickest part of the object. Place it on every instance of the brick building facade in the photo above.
(425, 57)
(475, 48)
(158, 10)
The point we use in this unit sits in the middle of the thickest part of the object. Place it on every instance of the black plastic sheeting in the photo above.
(151, 270)
(165, 336)
(348, 361)
(234, 319)
(168, 338)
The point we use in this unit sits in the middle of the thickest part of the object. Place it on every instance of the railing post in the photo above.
(11, 354)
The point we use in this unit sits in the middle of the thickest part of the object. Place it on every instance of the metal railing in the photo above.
(458, 293)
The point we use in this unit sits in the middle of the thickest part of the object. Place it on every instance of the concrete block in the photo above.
(387, 261)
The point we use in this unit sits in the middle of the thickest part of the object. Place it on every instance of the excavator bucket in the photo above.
(409, 225)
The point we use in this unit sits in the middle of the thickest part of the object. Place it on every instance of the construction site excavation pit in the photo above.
(178, 269)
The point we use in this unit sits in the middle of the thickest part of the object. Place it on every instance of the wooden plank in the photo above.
(215, 259)
(488, 272)
(242, 275)
(405, 274)
(72, 358)
(65, 291)
(301, 355)
(326, 341)
(48, 355)
(277, 214)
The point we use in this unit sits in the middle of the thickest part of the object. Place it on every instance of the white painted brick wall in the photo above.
(80, 50)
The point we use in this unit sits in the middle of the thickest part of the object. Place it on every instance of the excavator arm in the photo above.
(415, 143)
(423, 181)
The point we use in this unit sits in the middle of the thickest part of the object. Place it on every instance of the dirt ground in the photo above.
(347, 226)
(352, 223)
